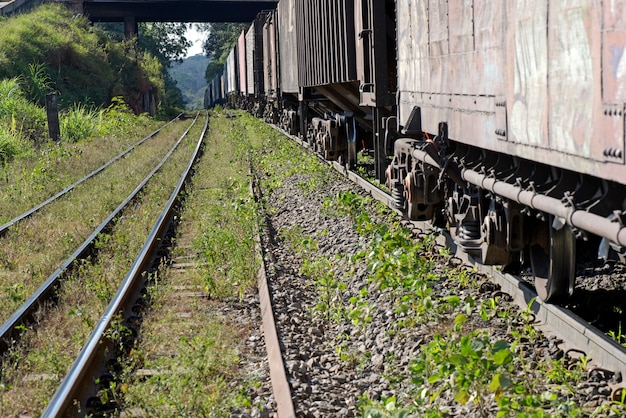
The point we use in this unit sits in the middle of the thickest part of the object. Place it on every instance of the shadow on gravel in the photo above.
(602, 301)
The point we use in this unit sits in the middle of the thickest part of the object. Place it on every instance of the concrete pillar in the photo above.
(130, 27)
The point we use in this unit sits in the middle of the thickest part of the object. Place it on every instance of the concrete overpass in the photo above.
(133, 11)
(175, 10)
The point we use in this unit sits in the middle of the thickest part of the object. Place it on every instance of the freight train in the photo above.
(502, 121)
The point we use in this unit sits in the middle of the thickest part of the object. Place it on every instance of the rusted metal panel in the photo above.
(527, 59)
(326, 51)
(612, 145)
(461, 25)
(573, 65)
(241, 63)
(287, 29)
(372, 58)
(270, 71)
(545, 81)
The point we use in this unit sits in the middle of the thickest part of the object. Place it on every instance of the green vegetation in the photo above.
(203, 376)
(51, 49)
(189, 77)
(32, 369)
(460, 353)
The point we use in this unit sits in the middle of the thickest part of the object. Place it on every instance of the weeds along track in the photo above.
(377, 316)
(575, 332)
(187, 341)
(88, 239)
(7, 211)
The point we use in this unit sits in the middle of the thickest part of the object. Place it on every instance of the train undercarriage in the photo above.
(502, 210)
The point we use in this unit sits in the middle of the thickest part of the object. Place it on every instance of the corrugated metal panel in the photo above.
(241, 63)
(270, 70)
(375, 51)
(254, 56)
(326, 42)
(250, 37)
(288, 38)
(231, 73)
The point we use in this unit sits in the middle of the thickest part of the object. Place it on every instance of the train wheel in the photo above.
(554, 265)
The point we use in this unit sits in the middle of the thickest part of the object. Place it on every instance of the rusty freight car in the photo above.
(502, 121)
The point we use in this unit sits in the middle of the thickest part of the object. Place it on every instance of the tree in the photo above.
(164, 40)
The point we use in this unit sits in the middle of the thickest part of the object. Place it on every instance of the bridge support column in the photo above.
(130, 27)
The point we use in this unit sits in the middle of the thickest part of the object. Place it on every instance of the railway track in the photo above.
(64, 296)
(91, 364)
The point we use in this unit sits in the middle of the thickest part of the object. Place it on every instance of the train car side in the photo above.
(501, 121)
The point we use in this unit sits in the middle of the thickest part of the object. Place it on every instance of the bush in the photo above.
(78, 123)
(18, 115)
(11, 145)
(51, 49)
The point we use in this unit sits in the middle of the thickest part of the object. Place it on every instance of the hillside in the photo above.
(189, 77)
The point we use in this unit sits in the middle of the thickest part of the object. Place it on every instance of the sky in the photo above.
(197, 38)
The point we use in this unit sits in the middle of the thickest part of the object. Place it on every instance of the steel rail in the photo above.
(78, 382)
(8, 330)
(278, 376)
(554, 320)
(6, 226)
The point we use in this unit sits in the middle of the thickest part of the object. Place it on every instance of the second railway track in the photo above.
(33, 365)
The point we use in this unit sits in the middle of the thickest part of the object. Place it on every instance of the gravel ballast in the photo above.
(341, 367)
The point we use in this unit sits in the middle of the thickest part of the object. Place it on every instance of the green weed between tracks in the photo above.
(188, 360)
(33, 368)
(458, 354)
(460, 357)
(34, 248)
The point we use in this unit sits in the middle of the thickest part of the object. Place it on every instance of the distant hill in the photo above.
(189, 77)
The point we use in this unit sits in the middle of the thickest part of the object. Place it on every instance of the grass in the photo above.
(34, 248)
(53, 50)
(460, 355)
(187, 360)
(40, 172)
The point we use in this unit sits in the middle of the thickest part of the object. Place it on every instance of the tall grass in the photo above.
(80, 122)
(51, 48)
(23, 118)
(11, 145)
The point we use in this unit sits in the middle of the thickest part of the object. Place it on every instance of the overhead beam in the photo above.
(175, 10)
